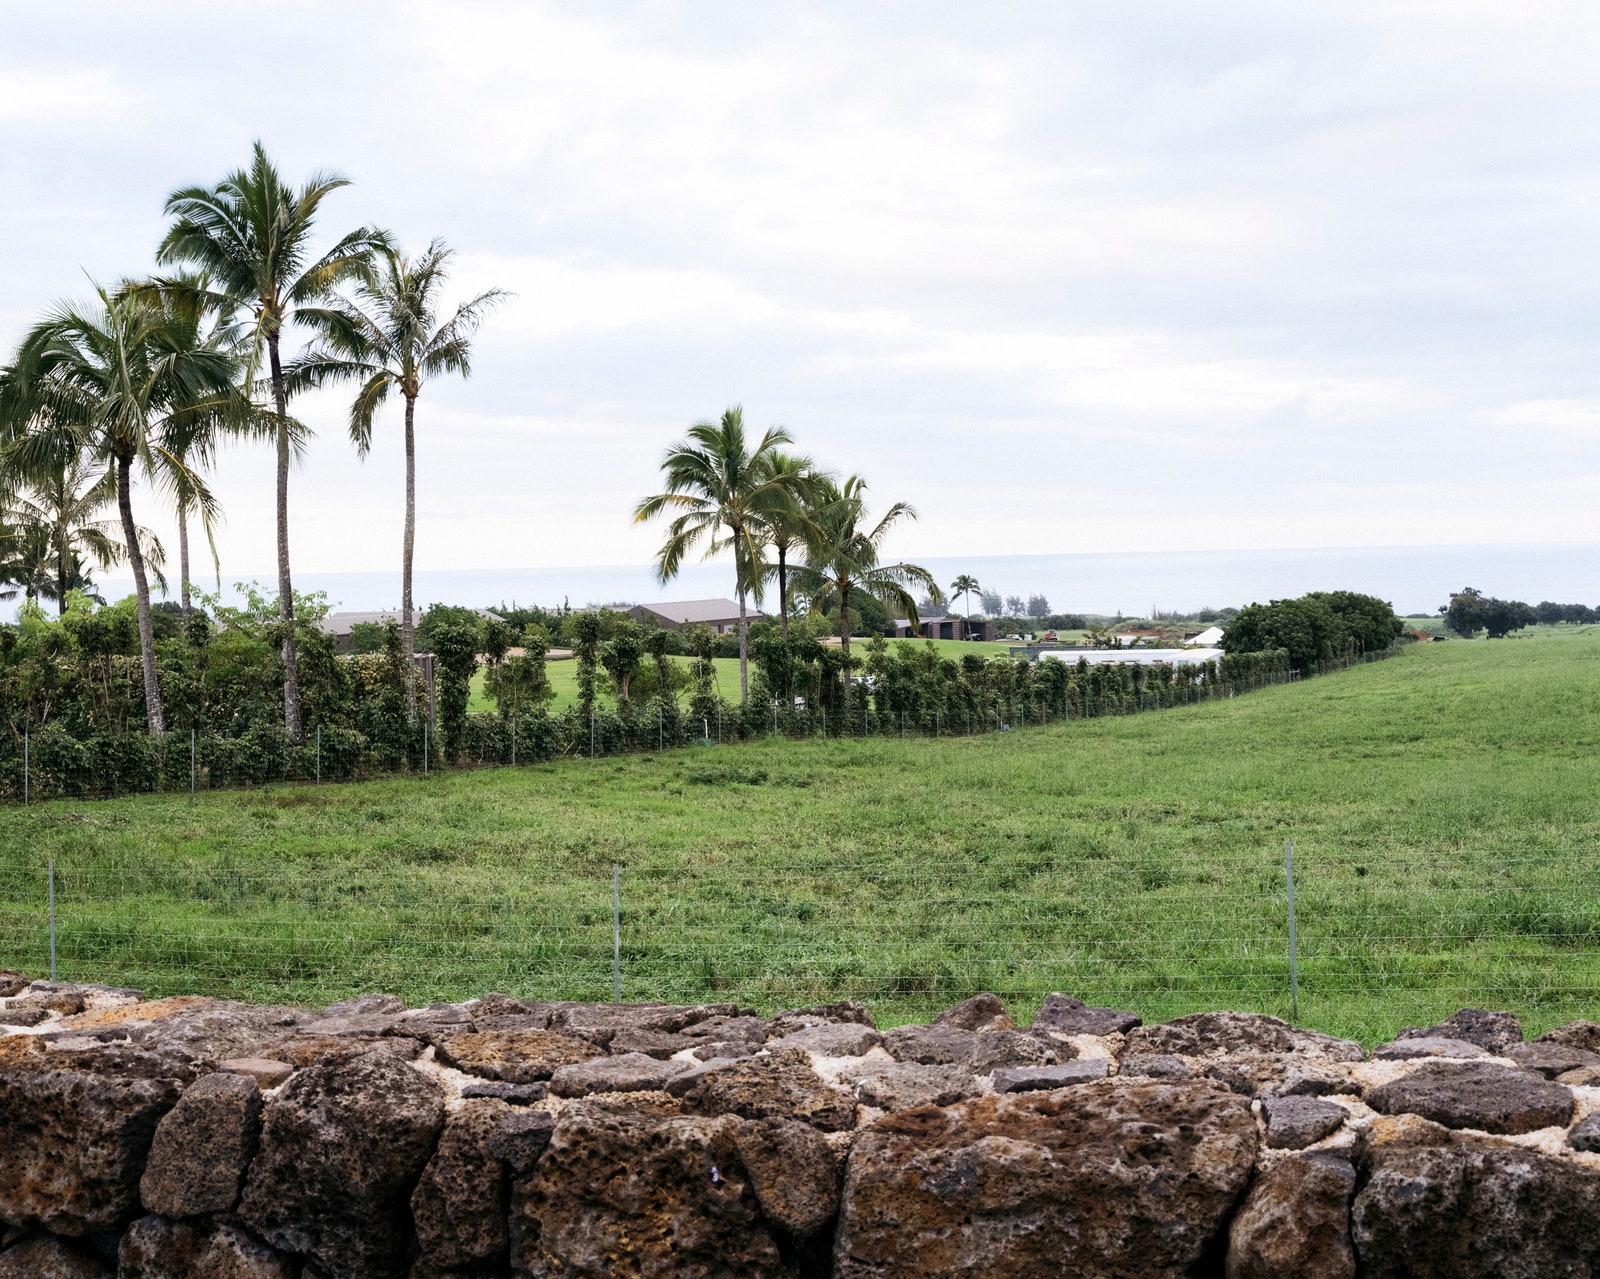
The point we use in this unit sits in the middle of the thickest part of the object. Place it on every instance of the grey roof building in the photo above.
(721, 616)
(338, 625)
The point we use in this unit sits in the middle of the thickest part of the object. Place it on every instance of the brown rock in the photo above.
(1035, 1078)
(1585, 1134)
(627, 1193)
(900, 1085)
(208, 1030)
(1209, 1034)
(514, 1056)
(46, 1257)
(520, 1139)
(1576, 1034)
(308, 1050)
(782, 1086)
(77, 1127)
(1111, 1180)
(459, 1205)
(1437, 1205)
(1477, 1095)
(741, 1029)
(929, 1045)
(154, 1248)
(342, 1145)
(1294, 1223)
(981, 1012)
(992, 1049)
(1551, 1059)
(266, 1073)
(364, 1005)
(351, 1025)
(1154, 1066)
(630, 1072)
(597, 1023)
(1582, 1077)
(1069, 1016)
(12, 983)
(202, 1147)
(794, 1172)
(832, 1039)
(846, 1011)
(1293, 1123)
(511, 1094)
(1493, 1032)
(652, 1043)
(1428, 1046)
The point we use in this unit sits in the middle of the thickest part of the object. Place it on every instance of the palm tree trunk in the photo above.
(61, 571)
(141, 588)
(844, 641)
(744, 652)
(783, 589)
(183, 550)
(406, 640)
(291, 667)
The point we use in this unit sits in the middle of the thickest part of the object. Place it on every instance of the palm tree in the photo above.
(842, 557)
(98, 380)
(251, 234)
(965, 585)
(725, 491)
(786, 523)
(387, 338)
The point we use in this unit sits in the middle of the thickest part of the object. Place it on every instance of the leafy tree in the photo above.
(843, 557)
(991, 603)
(621, 656)
(1014, 606)
(965, 585)
(455, 649)
(251, 234)
(1038, 606)
(1366, 621)
(1314, 628)
(1471, 611)
(703, 700)
(786, 519)
(726, 492)
(387, 337)
(586, 653)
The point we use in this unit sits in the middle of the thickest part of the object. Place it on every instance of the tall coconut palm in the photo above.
(843, 557)
(387, 337)
(725, 491)
(785, 524)
(99, 378)
(251, 233)
(965, 585)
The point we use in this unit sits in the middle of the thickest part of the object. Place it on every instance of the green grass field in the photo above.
(1443, 807)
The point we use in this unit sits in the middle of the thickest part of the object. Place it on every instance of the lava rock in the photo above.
(1295, 1222)
(202, 1147)
(1585, 1134)
(929, 1045)
(1293, 1123)
(154, 1248)
(993, 1049)
(794, 1172)
(1208, 1034)
(630, 1072)
(1576, 1034)
(782, 1086)
(1551, 1059)
(1436, 1204)
(511, 1094)
(459, 1205)
(266, 1073)
(844, 1012)
(1479, 1095)
(77, 1127)
(46, 1257)
(362, 1005)
(342, 1144)
(623, 1192)
(832, 1039)
(208, 1030)
(1132, 1180)
(1154, 1066)
(514, 1057)
(597, 1023)
(12, 983)
(1428, 1046)
(981, 1012)
(1069, 1016)
(1491, 1031)
(308, 1050)
(1035, 1078)
(520, 1139)
(900, 1085)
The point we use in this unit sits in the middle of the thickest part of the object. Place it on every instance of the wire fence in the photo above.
(38, 766)
(1382, 939)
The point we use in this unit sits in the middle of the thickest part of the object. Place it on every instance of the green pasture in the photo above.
(1442, 805)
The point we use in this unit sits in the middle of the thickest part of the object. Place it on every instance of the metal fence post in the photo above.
(661, 728)
(193, 769)
(319, 752)
(24, 763)
(52, 919)
(591, 732)
(424, 748)
(719, 723)
(616, 933)
(1294, 971)
(513, 740)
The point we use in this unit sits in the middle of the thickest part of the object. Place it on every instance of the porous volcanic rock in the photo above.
(342, 1144)
(202, 1147)
(1585, 1134)
(1577, 1034)
(360, 1005)
(77, 1126)
(983, 1011)
(511, 1094)
(929, 1045)
(627, 1072)
(514, 1056)
(154, 1248)
(832, 1039)
(1436, 1205)
(1155, 1066)
(993, 1049)
(208, 1030)
(1123, 1180)
(1211, 1034)
(900, 1085)
(308, 1050)
(1035, 1078)
(1551, 1059)
(795, 1173)
(1494, 1032)
(459, 1205)
(597, 1023)
(12, 983)
(1481, 1095)
(1428, 1046)
(520, 1139)
(266, 1073)
(1068, 1016)
(1295, 1222)
(46, 1257)
(623, 1192)
(782, 1086)
(1293, 1123)
(845, 1011)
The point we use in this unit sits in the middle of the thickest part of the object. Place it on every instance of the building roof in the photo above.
(340, 623)
(1208, 638)
(693, 611)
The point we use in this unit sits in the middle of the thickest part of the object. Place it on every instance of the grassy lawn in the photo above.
(1442, 807)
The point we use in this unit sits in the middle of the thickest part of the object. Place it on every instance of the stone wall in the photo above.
(188, 1137)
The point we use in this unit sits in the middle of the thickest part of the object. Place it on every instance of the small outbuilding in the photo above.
(722, 616)
(963, 628)
(339, 625)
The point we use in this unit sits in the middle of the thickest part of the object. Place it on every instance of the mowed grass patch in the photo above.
(1441, 804)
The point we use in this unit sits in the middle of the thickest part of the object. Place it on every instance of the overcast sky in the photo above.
(1066, 277)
